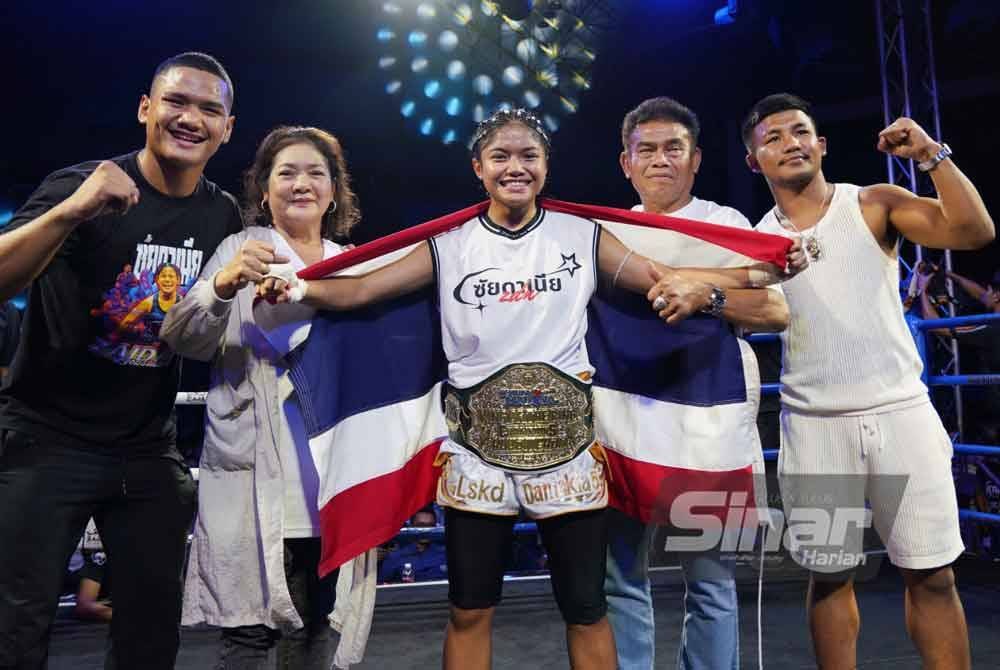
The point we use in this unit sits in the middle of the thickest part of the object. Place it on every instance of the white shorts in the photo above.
(899, 461)
(468, 483)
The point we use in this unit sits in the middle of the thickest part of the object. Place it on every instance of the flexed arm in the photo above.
(27, 250)
(956, 219)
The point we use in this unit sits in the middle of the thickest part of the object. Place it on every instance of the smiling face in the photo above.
(512, 166)
(786, 149)
(186, 115)
(167, 279)
(661, 162)
(299, 187)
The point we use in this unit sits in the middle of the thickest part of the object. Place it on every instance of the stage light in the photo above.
(432, 88)
(456, 70)
(462, 15)
(448, 41)
(482, 85)
(487, 55)
(513, 75)
(527, 49)
(726, 15)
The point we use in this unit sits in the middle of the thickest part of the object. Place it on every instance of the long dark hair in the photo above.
(337, 224)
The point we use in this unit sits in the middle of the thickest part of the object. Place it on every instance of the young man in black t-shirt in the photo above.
(86, 420)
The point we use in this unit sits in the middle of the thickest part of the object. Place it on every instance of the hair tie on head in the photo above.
(502, 117)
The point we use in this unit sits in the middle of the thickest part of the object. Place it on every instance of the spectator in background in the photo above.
(89, 578)
(988, 296)
(93, 594)
(424, 556)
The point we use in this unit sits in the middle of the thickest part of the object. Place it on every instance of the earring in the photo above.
(332, 208)
(263, 204)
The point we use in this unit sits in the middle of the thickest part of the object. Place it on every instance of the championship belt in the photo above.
(525, 417)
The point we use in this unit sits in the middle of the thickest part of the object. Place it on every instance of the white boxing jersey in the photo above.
(515, 297)
(847, 349)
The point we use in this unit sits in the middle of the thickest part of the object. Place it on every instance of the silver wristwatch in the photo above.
(716, 302)
(932, 162)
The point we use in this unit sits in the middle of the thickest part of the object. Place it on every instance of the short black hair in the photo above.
(198, 61)
(772, 104)
(661, 109)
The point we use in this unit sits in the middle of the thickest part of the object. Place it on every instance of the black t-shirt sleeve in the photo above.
(53, 190)
(10, 333)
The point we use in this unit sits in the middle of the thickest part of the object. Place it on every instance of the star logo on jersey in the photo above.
(569, 265)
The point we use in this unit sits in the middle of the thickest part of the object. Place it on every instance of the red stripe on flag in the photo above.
(394, 242)
(646, 491)
(372, 512)
(759, 246)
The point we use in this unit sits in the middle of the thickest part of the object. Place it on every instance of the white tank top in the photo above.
(847, 349)
(516, 297)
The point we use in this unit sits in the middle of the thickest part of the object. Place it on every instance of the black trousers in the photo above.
(143, 505)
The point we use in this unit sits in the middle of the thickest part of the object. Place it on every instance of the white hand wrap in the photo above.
(296, 287)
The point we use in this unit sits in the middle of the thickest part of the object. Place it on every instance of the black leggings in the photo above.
(479, 548)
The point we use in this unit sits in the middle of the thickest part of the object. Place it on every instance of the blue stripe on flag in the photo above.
(697, 362)
(368, 358)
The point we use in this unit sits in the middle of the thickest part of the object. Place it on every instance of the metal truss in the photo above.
(909, 88)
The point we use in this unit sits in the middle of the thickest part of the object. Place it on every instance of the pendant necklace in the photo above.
(810, 241)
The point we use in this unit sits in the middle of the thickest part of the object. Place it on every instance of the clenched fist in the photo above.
(250, 264)
(904, 138)
(107, 189)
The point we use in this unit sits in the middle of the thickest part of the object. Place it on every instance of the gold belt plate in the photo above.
(526, 417)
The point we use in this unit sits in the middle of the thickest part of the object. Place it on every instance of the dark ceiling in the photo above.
(75, 71)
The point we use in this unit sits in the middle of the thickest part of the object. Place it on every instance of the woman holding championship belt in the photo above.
(513, 288)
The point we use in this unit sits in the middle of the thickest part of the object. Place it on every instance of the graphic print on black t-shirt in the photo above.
(133, 309)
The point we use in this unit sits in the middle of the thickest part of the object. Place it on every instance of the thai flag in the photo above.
(674, 406)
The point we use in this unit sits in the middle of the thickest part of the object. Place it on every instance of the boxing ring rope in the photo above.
(920, 328)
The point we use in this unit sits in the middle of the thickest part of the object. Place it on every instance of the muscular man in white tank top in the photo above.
(854, 405)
